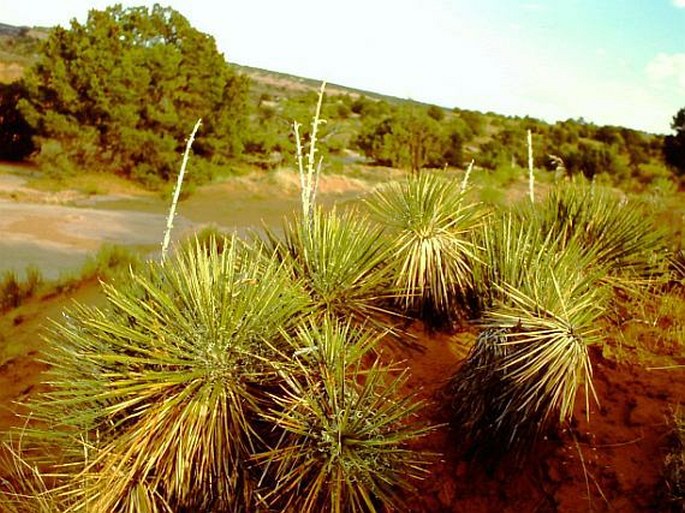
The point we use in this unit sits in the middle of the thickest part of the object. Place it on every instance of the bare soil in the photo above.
(611, 463)
(56, 231)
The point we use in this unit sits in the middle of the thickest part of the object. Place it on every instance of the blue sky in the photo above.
(609, 61)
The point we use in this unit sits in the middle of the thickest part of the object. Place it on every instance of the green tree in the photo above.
(121, 91)
(592, 159)
(15, 133)
(409, 138)
(674, 145)
(435, 112)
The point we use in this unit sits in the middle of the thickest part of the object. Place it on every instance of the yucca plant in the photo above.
(164, 384)
(542, 302)
(430, 226)
(339, 257)
(623, 235)
(676, 263)
(344, 427)
(24, 487)
(510, 249)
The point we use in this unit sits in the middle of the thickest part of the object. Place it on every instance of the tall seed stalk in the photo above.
(309, 174)
(467, 175)
(531, 174)
(177, 191)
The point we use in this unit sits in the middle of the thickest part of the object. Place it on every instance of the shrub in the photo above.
(339, 257)
(16, 135)
(155, 397)
(344, 427)
(83, 94)
(540, 302)
(429, 225)
(623, 236)
(11, 290)
(110, 261)
(14, 291)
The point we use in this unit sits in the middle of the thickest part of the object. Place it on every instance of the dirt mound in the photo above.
(611, 463)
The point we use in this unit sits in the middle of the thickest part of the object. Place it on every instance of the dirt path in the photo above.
(57, 238)
(55, 232)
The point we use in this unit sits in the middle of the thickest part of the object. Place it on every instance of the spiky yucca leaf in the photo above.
(511, 248)
(523, 375)
(167, 381)
(339, 258)
(344, 427)
(24, 487)
(622, 234)
(676, 262)
(548, 329)
(430, 225)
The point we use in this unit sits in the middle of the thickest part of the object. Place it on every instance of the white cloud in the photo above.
(668, 67)
(679, 3)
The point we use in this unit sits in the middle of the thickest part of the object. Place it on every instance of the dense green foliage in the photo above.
(411, 138)
(119, 128)
(674, 145)
(121, 91)
(16, 134)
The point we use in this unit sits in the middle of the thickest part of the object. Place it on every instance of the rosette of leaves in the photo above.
(153, 398)
(343, 426)
(621, 233)
(430, 226)
(522, 377)
(339, 257)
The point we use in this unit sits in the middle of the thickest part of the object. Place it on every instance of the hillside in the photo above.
(358, 121)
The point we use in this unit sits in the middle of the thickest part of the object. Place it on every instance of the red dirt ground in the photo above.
(613, 463)
(622, 447)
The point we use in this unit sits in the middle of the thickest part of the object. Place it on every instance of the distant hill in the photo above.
(18, 47)
(494, 141)
(11, 30)
(295, 84)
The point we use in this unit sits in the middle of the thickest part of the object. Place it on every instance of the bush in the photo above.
(153, 399)
(16, 135)
(540, 301)
(339, 258)
(14, 291)
(344, 427)
(623, 236)
(429, 224)
(86, 88)
(206, 384)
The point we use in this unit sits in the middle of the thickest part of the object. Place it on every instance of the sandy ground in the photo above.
(56, 231)
(56, 238)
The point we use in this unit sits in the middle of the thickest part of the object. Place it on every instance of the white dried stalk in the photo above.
(531, 174)
(309, 174)
(177, 192)
(465, 181)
